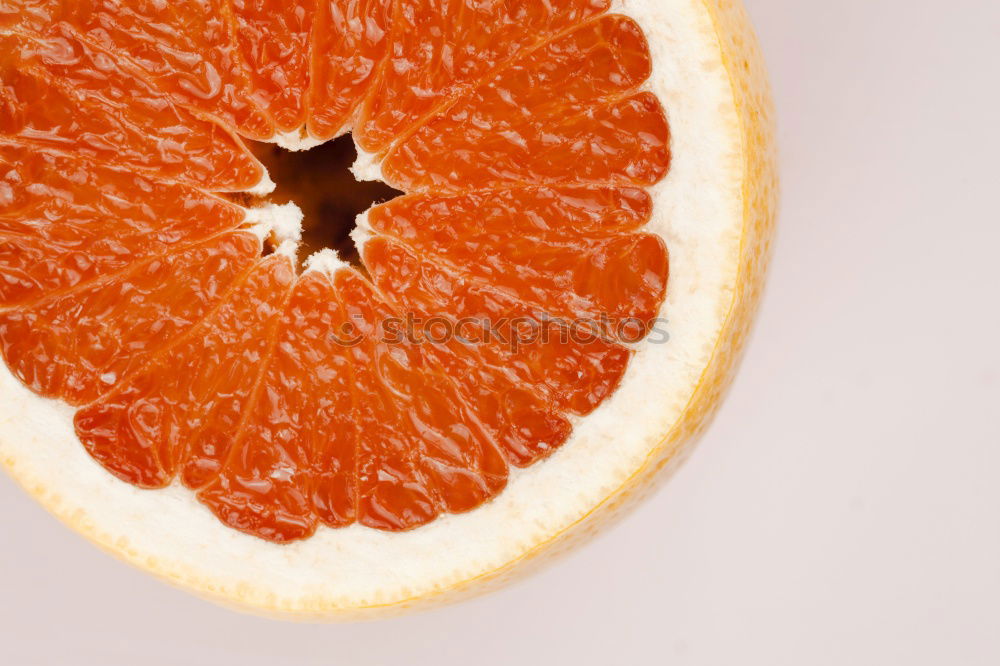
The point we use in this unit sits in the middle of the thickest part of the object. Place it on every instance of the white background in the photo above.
(844, 508)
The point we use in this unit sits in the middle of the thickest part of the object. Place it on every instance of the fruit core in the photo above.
(320, 182)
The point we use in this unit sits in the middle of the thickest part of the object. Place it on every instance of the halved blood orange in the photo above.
(514, 347)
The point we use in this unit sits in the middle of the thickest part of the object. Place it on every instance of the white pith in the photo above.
(324, 261)
(295, 140)
(283, 220)
(698, 211)
(366, 166)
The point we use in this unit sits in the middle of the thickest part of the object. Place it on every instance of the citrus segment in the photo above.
(273, 37)
(178, 415)
(600, 146)
(60, 92)
(572, 365)
(524, 423)
(508, 240)
(563, 113)
(187, 48)
(420, 451)
(79, 345)
(59, 187)
(348, 47)
(294, 463)
(355, 420)
(65, 221)
(441, 47)
(535, 211)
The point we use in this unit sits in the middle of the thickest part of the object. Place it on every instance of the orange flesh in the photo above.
(186, 48)
(49, 79)
(348, 48)
(439, 48)
(563, 113)
(494, 300)
(273, 37)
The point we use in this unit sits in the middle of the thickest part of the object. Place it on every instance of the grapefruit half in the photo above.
(588, 200)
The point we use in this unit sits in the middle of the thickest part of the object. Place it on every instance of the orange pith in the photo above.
(497, 298)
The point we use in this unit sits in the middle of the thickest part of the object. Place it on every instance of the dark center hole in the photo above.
(320, 183)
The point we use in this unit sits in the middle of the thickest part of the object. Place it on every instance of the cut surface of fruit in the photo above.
(547, 303)
(519, 342)
(348, 52)
(273, 38)
(438, 49)
(186, 48)
(108, 216)
(566, 112)
(76, 345)
(62, 93)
